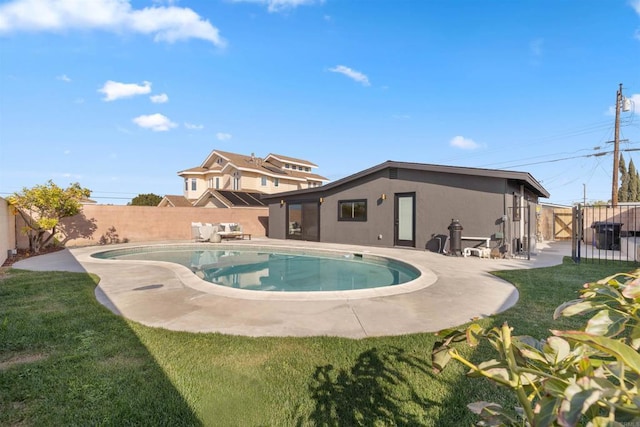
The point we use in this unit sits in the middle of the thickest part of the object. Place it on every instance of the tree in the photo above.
(43, 206)
(146, 200)
(634, 190)
(623, 192)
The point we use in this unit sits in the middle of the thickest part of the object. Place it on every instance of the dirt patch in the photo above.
(22, 359)
(24, 253)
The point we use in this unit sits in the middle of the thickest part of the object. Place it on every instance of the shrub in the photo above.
(587, 377)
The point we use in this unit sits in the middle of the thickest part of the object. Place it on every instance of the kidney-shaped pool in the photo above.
(280, 271)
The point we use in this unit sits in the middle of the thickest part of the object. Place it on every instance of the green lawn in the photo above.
(66, 360)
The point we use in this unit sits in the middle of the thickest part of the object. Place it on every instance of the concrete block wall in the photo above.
(150, 223)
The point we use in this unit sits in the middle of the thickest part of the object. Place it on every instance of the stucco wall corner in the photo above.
(7, 230)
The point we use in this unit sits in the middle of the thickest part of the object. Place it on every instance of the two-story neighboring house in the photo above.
(223, 176)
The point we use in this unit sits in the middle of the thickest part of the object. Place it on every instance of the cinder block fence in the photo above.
(106, 223)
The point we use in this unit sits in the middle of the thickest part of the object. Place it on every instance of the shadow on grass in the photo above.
(375, 389)
(66, 360)
(382, 387)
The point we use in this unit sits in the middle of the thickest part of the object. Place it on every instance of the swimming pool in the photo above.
(265, 269)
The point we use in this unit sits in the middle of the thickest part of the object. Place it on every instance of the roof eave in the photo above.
(520, 176)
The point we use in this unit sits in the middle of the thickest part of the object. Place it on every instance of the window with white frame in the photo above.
(194, 184)
(263, 181)
(186, 184)
(276, 182)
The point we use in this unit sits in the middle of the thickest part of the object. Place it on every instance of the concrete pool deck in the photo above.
(450, 292)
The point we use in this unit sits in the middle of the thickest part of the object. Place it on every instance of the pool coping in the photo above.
(167, 297)
(187, 276)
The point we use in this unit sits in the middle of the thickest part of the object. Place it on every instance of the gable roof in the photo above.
(175, 201)
(526, 178)
(255, 164)
(239, 160)
(191, 171)
(286, 159)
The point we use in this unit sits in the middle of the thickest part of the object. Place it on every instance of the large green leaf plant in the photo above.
(589, 377)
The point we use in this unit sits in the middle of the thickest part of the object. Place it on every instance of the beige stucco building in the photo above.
(223, 172)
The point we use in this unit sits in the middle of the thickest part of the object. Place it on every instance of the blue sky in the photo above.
(121, 95)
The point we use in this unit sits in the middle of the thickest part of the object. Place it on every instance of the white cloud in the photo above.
(116, 90)
(535, 47)
(64, 78)
(280, 5)
(169, 24)
(223, 136)
(159, 99)
(635, 103)
(191, 126)
(352, 74)
(68, 175)
(156, 122)
(464, 143)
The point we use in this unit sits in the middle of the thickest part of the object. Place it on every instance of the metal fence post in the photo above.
(528, 229)
(576, 231)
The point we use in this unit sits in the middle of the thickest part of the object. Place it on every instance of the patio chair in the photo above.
(201, 232)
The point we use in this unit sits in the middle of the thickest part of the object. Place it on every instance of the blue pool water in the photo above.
(265, 270)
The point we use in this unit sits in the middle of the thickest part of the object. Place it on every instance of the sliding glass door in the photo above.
(303, 221)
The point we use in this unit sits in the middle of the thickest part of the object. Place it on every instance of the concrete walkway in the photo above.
(450, 292)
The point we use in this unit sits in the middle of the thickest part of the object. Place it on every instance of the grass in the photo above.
(66, 360)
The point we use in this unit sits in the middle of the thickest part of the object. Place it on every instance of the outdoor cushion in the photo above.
(230, 229)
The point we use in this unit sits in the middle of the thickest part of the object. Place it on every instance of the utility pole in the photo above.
(616, 150)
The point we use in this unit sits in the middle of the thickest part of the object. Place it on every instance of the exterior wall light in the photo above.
(281, 202)
(321, 199)
(383, 196)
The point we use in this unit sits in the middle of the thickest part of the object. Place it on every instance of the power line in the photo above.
(537, 157)
(572, 132)
(602, 153)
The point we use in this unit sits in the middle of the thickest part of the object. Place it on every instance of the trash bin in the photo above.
(607, 235)
(455, 237)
